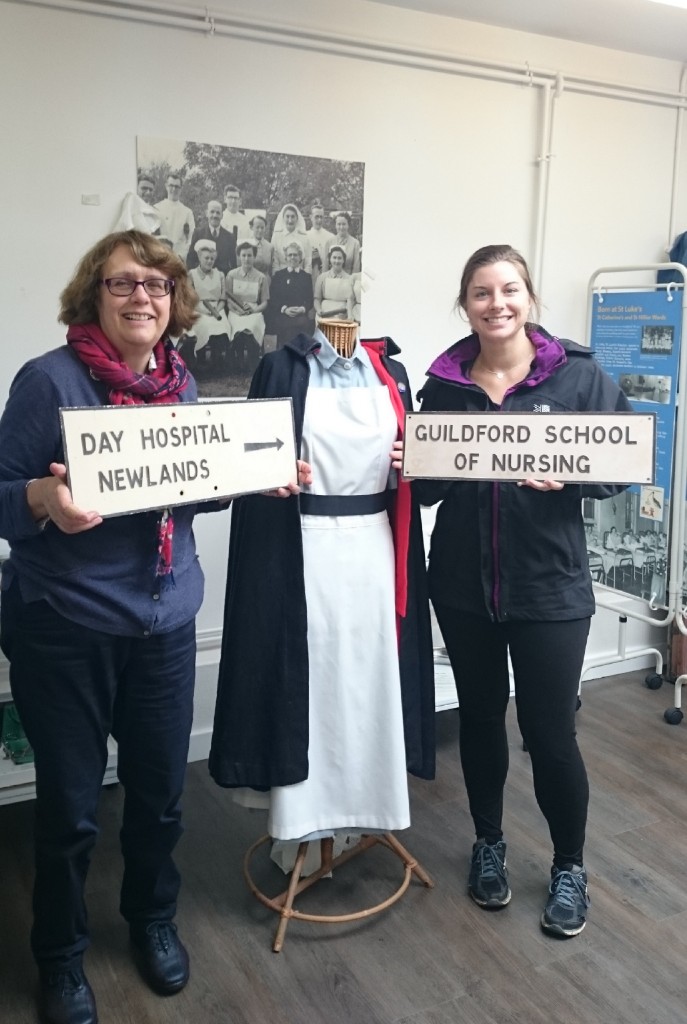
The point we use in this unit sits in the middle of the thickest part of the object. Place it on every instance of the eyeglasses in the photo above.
(156, 287)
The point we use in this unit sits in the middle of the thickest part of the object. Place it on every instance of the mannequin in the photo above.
(341, 334)
(326, 693)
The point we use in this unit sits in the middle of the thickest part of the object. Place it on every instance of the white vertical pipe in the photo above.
(677, 157)
(542, 162)
(677, 541)
(551, 95)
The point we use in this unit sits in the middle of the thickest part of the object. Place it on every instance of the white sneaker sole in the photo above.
(559, 930)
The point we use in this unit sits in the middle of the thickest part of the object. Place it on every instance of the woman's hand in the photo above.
(542, 485)
(50, 497)
(304, 473)
(396, 456)
(304, 478)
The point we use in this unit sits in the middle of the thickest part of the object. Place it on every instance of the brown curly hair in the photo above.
(79, 300)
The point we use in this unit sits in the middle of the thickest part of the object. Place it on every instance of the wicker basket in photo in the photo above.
(341, 333)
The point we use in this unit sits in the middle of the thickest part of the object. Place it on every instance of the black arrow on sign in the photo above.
(255, 446)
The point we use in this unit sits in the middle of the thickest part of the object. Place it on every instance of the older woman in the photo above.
(290, 227)
(211, 328)
(99, 634)
(334, 291)
(349, 244)
(291, 298)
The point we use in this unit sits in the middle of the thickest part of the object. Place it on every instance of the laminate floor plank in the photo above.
(434, 957)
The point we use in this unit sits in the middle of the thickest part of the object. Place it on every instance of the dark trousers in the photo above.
(73, 686)
(547, 662)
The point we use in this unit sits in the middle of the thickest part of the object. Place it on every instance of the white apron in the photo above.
(357, 774)
(246, 291)
(207, 326)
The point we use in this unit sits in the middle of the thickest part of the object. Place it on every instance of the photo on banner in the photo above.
(635, 336)
(271, 241)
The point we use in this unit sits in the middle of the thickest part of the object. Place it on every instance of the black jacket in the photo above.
(260, 736)
(226, 248)
(513, 553)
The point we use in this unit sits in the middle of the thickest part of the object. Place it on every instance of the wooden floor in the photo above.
(433, 958)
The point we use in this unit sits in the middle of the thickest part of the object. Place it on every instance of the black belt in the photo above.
(343, 505)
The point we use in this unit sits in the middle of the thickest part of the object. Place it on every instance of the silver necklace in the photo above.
(500, 374)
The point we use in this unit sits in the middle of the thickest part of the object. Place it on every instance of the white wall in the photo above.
(451, 162)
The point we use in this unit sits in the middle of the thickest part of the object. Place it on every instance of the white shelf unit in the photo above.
(18, 781)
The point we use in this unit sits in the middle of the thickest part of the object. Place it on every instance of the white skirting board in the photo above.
(17, 782)
(445, 690)
(445, 687)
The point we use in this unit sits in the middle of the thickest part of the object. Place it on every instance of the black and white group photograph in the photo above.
(272, 241)
(657, 340)
(627, 542)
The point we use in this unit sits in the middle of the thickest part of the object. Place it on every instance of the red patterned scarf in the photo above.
(402, 505)
(163, 383)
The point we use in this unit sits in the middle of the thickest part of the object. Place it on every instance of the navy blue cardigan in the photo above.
(102, 578)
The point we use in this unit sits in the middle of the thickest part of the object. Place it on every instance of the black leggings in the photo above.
(547, 662)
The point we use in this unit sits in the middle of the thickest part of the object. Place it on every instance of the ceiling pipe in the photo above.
(305, 38)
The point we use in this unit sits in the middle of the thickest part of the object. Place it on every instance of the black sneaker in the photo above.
(488, 880)
(565, 913)
(66, 997)
(160, 956)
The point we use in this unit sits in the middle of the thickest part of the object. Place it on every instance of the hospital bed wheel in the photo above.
(653, 681)
(673, 716)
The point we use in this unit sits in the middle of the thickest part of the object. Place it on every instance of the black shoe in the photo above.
(160, 956)
(565, 913)
(66, 997)
(488, 881)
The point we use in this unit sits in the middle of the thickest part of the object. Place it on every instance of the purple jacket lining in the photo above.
(453, 366)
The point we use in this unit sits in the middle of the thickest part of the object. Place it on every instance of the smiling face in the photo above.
(232, 199)
(336, 260)
(341, 227)
(498, 302)
(290, 218)
(214, 214)
(132, 323)
(258, 227)
(206, 259)
(173, 186)
(293, 257)
(146, 189)
(247, 257)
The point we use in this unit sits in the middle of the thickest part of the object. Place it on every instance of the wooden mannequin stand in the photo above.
(283, 903)
(342, 335)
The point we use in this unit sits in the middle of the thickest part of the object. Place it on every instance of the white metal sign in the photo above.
(610, 448)
(134, 457)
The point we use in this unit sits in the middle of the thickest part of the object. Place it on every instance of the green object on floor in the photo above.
(13, 738)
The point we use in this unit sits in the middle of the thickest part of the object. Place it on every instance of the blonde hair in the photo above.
(79, 300)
